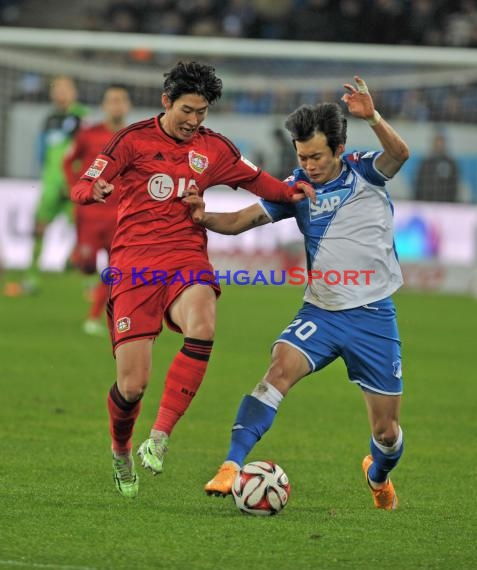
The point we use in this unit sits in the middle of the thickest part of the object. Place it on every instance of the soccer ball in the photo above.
(261, 488)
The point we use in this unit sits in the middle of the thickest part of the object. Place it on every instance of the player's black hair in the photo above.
(194, 78)
(326, 118)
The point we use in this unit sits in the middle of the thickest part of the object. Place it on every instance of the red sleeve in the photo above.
(235, 170)
(105, 166)
(270, 188)
(73, 155)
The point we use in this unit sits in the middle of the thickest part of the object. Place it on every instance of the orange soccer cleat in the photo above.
(221, 484)
(385, 497)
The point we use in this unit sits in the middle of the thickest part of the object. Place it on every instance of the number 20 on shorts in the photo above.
(302, 330)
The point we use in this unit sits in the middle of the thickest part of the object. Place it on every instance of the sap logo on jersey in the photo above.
(160, 186)
(324, 206)
(327, 204)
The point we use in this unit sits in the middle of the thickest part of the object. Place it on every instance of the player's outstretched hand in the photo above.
(358, 100)
(303, 190)
(101, 190)
(196, 204)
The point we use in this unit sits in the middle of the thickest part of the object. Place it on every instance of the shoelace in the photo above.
(383, 494)
(157, 447)
(123, 467)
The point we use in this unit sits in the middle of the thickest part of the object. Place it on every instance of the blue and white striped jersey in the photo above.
(348, 233)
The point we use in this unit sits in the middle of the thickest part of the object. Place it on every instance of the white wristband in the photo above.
(374, 119)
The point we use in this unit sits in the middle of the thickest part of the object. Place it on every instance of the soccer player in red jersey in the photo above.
(159, 264)
(96, 224)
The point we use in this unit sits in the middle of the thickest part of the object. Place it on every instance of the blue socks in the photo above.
(253, 419)
(384, 458)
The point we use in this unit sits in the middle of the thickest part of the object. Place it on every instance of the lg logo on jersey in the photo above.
(161, 187)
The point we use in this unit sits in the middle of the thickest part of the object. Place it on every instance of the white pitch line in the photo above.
(39, 565)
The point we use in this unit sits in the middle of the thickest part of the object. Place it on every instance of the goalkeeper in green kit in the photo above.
(58, 131)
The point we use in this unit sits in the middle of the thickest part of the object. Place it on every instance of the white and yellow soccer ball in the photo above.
(261, 488)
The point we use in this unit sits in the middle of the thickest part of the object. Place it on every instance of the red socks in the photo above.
(122, 417)
(183, 380)
(100, 296)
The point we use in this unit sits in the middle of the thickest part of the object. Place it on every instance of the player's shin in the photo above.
(122, 415)
(183, 380)
(254, 417)
(100, 297)
(385, 458)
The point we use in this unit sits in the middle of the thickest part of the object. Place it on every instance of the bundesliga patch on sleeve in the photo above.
(248, 163)
(95, 170)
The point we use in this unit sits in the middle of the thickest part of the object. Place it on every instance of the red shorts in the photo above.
(93, 233)
(139, 303)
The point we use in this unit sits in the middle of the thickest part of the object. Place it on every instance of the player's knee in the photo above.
(84, 258)
(387, 434)
(203, 331)
(86, 267)
(85, 263)
(132, 393)
(39, 230)
(279, 377)
(276, 371)
(132, 384)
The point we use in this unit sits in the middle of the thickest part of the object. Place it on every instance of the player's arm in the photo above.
(236, 171)
(95, 184)
(72, 159)
(91, 190)
(41, 144)
(360, 104)
(227, 223)
(233, 223)
(272, 189)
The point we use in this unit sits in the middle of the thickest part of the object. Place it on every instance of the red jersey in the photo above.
(154, 170)
(87, 144)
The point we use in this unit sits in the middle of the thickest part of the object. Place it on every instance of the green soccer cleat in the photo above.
(124, 475)
(152, 452)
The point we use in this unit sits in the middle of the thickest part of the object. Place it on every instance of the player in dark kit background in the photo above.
(96, 224)
(59, 128)
(155, 162)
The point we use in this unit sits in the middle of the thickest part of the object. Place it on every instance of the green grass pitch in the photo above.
(58, 506)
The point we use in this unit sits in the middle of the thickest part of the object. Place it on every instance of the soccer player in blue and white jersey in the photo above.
(348, 232)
